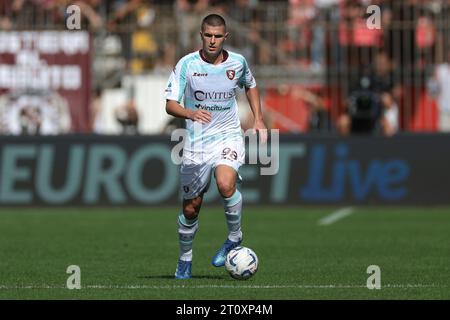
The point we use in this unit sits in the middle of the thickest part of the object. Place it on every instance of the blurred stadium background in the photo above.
(364, 116)
(307, 55)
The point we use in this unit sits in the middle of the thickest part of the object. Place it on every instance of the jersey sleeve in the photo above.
(246, 80)
(177, 82)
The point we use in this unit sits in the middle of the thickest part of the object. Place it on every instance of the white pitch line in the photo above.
(170, 287)
(336, 215)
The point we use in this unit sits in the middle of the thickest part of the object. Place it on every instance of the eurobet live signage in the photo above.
(139, 171)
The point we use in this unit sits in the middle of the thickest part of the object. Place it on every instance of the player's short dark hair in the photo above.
(214, 20)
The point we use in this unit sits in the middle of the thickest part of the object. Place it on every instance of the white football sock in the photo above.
(233, 208)
(186, 232)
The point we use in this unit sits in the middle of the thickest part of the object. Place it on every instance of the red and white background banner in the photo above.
(44, 82)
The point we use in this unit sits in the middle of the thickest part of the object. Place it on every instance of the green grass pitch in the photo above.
(128, 253)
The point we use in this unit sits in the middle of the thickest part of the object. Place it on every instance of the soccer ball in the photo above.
(241, 263)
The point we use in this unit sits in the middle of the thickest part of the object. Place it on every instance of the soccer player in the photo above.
(214, 143)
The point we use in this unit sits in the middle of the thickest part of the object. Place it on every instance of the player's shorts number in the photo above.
(229, 154)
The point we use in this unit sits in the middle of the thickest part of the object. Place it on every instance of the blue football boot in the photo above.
(184, 270)
(219, 258)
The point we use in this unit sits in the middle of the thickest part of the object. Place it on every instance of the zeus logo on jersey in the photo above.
(215, 96)
(196, 74)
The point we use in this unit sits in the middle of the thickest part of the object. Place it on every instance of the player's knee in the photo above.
(226, 187)
(190, 212)
(191, 207)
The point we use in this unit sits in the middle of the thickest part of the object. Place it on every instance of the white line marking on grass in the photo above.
(187, 286)
(336, 215)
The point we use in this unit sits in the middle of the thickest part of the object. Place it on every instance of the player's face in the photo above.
(213, 39)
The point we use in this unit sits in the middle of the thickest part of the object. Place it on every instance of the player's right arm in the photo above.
(175, 109)
(175, 92)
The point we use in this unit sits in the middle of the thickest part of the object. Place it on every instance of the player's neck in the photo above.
(213, 59)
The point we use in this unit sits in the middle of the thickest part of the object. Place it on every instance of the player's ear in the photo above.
(201, 35)
(226, 35)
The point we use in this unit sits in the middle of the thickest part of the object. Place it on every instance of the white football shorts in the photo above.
(197, 166)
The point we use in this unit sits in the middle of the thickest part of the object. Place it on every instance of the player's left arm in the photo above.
(255, 104)
(248, 81)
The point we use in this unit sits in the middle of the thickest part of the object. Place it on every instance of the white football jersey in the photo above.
(213, 88)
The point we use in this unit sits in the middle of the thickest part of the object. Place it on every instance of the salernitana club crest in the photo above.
(230, 74)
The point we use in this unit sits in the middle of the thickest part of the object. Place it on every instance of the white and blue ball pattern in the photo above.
(241, 263)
